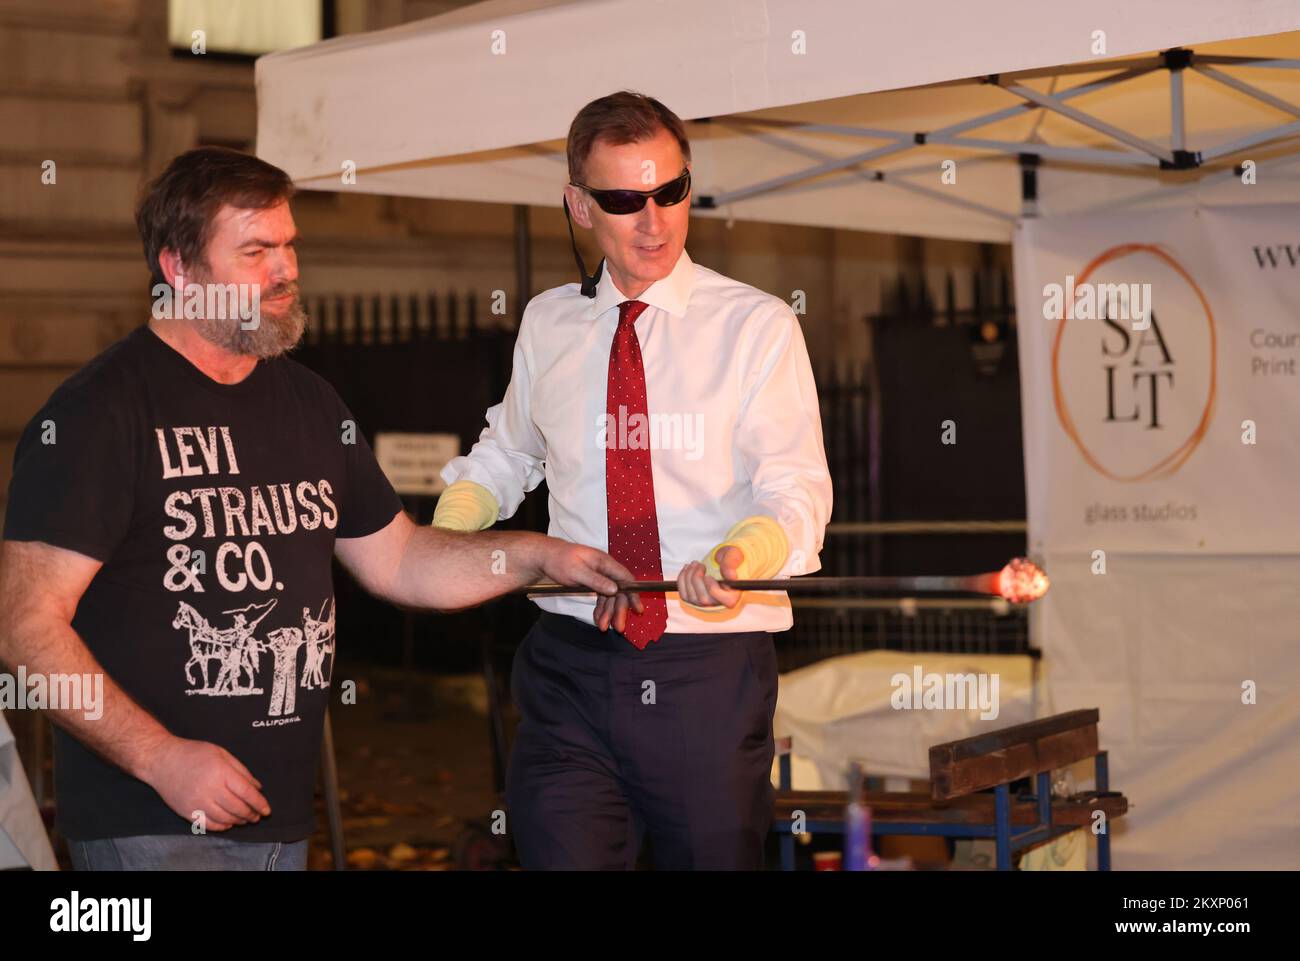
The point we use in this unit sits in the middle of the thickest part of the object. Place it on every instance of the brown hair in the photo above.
(177, 209)
(621, 118)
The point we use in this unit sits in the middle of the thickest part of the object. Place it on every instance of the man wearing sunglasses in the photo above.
(673, 414)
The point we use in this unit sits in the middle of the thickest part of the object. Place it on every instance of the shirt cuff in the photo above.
(466, 506)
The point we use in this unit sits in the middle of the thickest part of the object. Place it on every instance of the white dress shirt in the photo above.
(734, 431)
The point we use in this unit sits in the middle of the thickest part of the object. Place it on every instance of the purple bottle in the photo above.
(857, 826)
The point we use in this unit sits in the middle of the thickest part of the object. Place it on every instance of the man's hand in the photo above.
(612, 610)
(198, 776)
(696, 587)
(579, 566)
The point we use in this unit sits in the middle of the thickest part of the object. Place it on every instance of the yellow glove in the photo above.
(764, 547)
(466, 506)
(763, 542)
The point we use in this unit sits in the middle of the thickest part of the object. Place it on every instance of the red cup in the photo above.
(828, 861)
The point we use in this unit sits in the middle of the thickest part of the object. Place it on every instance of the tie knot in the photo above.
(630, 310)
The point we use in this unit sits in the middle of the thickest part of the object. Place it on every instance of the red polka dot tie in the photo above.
(629, 484)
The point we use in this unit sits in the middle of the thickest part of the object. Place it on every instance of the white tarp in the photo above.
(23, 841)
(1162, 645)
(844, 710)
(475, 104)
(1183, 627)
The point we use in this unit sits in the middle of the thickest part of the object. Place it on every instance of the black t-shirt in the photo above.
(152, 461)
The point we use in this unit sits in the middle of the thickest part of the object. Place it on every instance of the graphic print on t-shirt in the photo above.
(229, 499)
(235, 651)
(241, 649)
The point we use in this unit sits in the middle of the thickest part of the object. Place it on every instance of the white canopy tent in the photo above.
(808, 111)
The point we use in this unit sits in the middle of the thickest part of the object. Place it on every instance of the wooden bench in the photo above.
(959, 803)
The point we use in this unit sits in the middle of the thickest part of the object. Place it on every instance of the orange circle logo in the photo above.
(1174, 459)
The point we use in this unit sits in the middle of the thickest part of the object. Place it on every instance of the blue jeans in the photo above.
(186, 852)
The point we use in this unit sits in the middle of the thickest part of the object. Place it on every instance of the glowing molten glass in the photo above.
(1021, 581)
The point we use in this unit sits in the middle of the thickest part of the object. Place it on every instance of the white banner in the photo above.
(1159, 374)
(1161, 462)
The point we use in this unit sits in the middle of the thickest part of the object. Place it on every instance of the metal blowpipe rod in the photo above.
(1019, 582)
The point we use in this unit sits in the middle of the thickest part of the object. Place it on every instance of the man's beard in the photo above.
(272, 332)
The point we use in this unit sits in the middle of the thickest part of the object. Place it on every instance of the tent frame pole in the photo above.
(1048, 102)
(1143, 152)
(1251, 140)
(1116, 158)
(1177, 118)
(1248, 89)
(902, 139)
(944, 197)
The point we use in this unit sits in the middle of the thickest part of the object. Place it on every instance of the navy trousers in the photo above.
(614, 743)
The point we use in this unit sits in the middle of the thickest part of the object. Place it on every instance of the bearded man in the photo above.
(193, 465)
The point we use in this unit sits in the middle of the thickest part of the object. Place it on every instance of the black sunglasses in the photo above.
(630, 201)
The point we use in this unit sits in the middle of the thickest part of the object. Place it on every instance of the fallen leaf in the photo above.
(402, 852)
(362, 858)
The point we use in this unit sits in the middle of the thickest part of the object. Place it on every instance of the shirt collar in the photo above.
(669, 293)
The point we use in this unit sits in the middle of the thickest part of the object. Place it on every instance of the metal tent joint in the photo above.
(1182, 160)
